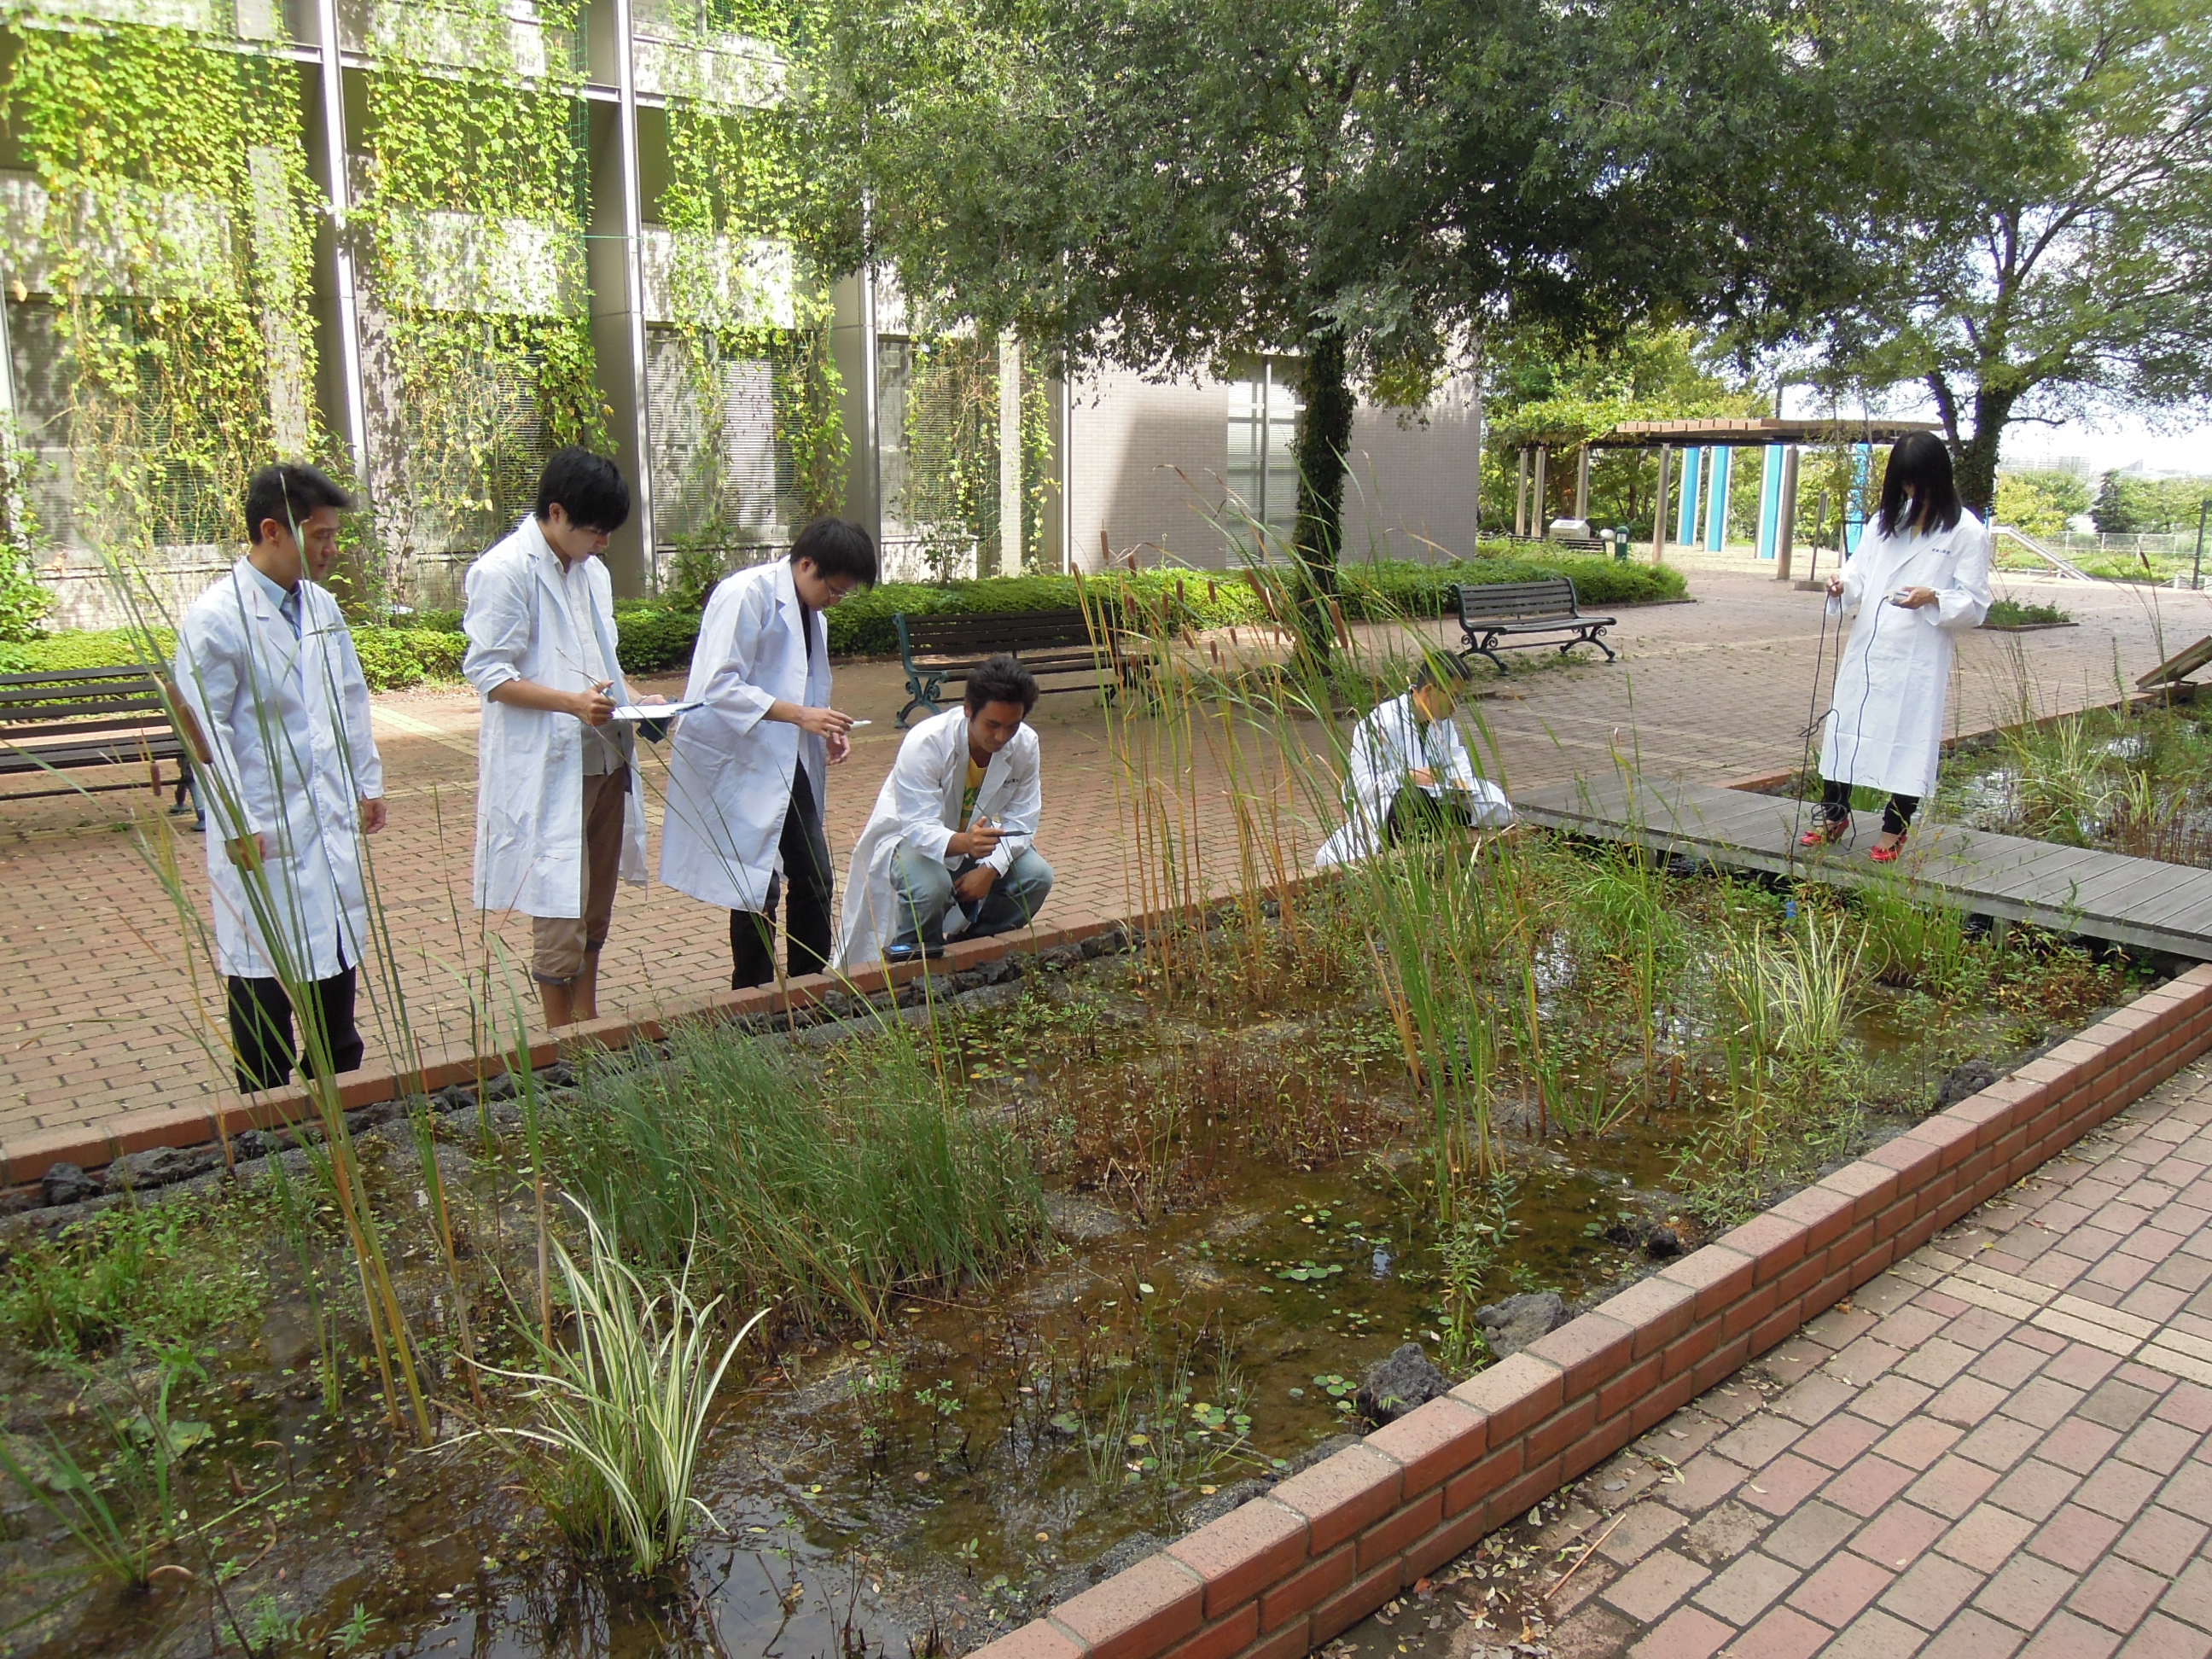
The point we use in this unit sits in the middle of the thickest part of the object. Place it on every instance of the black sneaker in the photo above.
(897, 953)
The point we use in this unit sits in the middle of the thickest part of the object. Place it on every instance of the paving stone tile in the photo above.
(1642, 1527)
(2188, 1598)
(2161, 1540)
(1986, 1537)
(1723, 1533)
(1811, 1532)
(1784, 1483)
(2078, 1444)
(1655, 1584)
(2119, 1490)
(2024, 1590)
(1931, 1591)
(1974, 1635)
(2043, 1401)
(1866, 1485)
(1952, 1486)
(1706, 1479)
(2188, 1404)
(2161, 1638)
(1899, 1534)
(1687, 1634)
(1839, 1588)
(2116, 1594)
(2075, 1538)
(2035, 1489)
(2068, 1636)
(1917, 1441)
(1891, 1398)
(1785, 1633)
(1814, 1399)
(1742, 1591)
(2001, 1442)
(1876, 1634)
(1965, 1401)
(1836, 1442)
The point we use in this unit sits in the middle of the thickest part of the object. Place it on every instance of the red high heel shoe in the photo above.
(1889, 854)
(1826, 833)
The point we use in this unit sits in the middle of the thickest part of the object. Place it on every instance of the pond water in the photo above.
(1242, 1187)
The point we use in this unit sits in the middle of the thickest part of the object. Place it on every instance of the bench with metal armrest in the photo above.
(943, 649)
(1503, 616)
(90, 717)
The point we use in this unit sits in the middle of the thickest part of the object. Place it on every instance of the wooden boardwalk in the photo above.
(2068, 889)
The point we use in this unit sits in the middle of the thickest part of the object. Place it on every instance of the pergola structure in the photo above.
(1708, 449)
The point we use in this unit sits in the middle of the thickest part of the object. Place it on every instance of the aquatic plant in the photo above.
(823, 1187)
(622, 1410)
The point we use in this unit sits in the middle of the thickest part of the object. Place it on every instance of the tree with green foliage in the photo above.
(1178, 187)
(2051, 251)
(2040, 502)
(2130, 504)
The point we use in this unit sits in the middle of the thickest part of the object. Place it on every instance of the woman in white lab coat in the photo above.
(1411, 744)
(290, 779)
(746, 773)
(1920, 578)
(923, 811)
(541, 634)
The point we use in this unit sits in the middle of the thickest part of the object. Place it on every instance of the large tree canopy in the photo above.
(1173, 185)
(2051, 251)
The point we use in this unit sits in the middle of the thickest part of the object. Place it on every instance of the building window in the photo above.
(1263, 467)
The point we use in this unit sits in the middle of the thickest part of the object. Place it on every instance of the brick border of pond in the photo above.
(1288, 1572)
(29, 1156)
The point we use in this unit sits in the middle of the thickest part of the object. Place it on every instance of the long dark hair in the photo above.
(1917, 490)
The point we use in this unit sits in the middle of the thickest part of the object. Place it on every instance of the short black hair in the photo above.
(588, 488)
(1443, 669)
(289, 492)
(838, 547)
(1000, 679)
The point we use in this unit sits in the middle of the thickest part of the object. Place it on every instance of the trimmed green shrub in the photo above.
(390, 658)
(650, 639)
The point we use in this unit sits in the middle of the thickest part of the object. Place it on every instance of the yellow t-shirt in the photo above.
(967, 799)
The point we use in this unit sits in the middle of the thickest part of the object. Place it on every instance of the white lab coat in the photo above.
(731, 767)
(1387, 747)
(530, 762)
(919, 806)
(1884, 725)
(287, 722)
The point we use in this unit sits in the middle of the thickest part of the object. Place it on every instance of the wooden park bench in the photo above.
(944, 649)
(1495, 615)
(86, 717)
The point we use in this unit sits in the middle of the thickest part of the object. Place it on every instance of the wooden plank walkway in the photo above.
(2068, 889)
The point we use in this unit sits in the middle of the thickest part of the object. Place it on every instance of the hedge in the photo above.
(652, 638)
(390, 658)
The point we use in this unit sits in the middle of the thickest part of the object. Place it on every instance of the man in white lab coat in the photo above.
(746, 775)
(266, 669)
(1410, 774)
(948, 848)
(560, 810)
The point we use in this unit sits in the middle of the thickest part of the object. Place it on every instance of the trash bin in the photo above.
(1620, 544)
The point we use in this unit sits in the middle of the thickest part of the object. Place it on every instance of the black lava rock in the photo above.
(1395, 1385)
(66, 1183)
(1511, 1325)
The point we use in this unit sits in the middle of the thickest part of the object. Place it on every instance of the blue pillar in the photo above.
(1716, 501)
(1769, 503)
(1685, 521)
(1854, 516)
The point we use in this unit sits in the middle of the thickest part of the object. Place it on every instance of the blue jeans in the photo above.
(923, 889)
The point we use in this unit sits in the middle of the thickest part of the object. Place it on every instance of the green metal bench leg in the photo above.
(921, 694)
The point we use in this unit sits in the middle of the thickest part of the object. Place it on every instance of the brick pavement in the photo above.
(2002, 1446)
(107, 1004)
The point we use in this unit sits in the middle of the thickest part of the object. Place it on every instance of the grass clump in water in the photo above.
(825, 1187)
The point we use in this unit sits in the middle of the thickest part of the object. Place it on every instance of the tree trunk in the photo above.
(1324, 439)
(1974, 455)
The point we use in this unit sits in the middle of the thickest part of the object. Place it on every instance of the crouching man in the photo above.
(947, 850)
(1410, 777)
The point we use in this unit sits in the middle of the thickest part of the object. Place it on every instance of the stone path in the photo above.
(2002, 1446)
(107, 1004)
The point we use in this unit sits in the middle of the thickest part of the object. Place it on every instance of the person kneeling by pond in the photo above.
(1410, 777)
(947, 849)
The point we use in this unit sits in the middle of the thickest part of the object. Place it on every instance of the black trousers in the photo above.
(261, 1028)
(809, 887)
(1416, 815)
(1836, 803)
